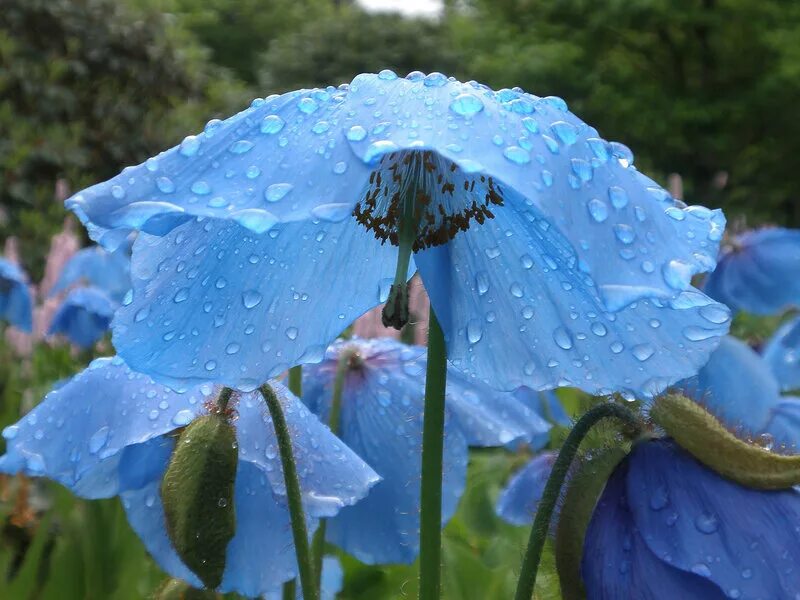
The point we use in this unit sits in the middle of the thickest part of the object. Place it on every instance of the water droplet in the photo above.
(516, 290)
(11, 432)
(190, 145)
(531, 124)
(210, 365)
(377, 149)
(255, 219)
(517, 155)
(562, 338)
(181, 295)
(98, 439)
(165, 185)
(252, 172)
(675, 213)
(251, 298)
(706, 523)
(624, 233)
(356, 133)
(435, 79)
(333, 213)
(201, 188)
(276, 191)
(240, 147)
(701, 569)
(182, 417)
(118, 192)
(232, 348)
(617, 347)
(660, 498)
(677, 274)
(618, 197)
(272, 124)
(474, 330)
(307, 105)
(643, 351)
(291, 333)
(340, 167)
(598, 210)
(747, 573)
(715, 313)
(482, 282)
(599, 329)
(387, 75)
(466, 105)
(566, 132)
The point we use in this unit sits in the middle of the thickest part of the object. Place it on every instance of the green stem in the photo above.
(296, 387)
(430, 538)
(290, 590)
(333, 423)
(293, 494)
(552, 490)
(223, 399)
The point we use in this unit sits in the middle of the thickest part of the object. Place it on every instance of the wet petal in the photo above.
(546, 404)
(761, 274)
(83, 317)
(331, 475)
(215, 302)
(617, 562)
(516, 310)
(736, 385)
(784, 426)
(782, 354)
(15, 297)
(519, 500)
(743, 540)
(75, 435)
(108, 271)
(331, 584)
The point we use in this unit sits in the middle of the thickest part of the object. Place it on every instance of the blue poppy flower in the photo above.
(84, 316)
(15, 297)
(520, 498)
(668, 527)
(107, 432)
(550, 260)
(108, 271)
(759, 272)
(331, 582)
(782, 354)
(381, 420)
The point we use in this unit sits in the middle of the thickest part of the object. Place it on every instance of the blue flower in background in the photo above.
(15, 297)
(759, 272)
(549, 259)
(519, 500)
(668, 527)
(381, 420)
(782, 354)
(84, 316)
(107, 433)
(94, 266)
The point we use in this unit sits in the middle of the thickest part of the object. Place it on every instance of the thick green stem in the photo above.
(296, 387)
(289, 590)
(293, 495)
(430, 538)
(333, 423)
(552, 490)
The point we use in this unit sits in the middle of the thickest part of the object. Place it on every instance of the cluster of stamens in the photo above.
(429, 181)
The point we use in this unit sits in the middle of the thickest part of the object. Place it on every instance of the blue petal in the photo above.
(784, 425)
(743, 540)
(75, 435)
(760, 273)
(309, 153)
(331, 584)
(736, 385)
(15, 297)
(83, 317)
(212, 301)
(617, 562)
(381, 420)
(519, 500)
(782, 354)
(109, 271)
(516, 310)
(545, 404)
(331, 475)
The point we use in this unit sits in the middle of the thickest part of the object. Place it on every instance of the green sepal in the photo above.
(176, 589)
(197, 493)
(583, 490)
(709, 441)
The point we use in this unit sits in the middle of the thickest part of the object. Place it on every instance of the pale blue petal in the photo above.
(782, 354)
(75, 435)
(15, 297)
(545, 404)
(331, 584)
(108, 271)
(215, 302)
(760, 272)
(743, 540)
(736, 385)
(331, 475)
(517, 310)
(519, 500)
(83, 317)
(784, 425)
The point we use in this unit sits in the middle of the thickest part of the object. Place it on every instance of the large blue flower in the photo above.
(759, 272)
(381, 420)
(520, 498)
(107, 433)
(84, 316)
(782, 354)
(668, 527)
(108, 271)
(15, 297)
(550, 260)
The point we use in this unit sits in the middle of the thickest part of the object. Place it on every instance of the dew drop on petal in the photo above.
(562, 338)
(272, 124)
(474, 330)
(251, 298)
(240, 147)
(189, 146)
(291, 333)
(277, 191)
(598, 210)
(356, 133)
(517, 155)
(643, 351)
(566, 132)
(182, 417)
(466, 105)
(98, 439)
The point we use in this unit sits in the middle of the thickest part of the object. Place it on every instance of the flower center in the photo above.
(424, 197)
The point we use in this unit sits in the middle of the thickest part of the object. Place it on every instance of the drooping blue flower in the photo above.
(520, 498)
(668, 527)
(759, 272)
(107, 433)
(782, 354)
(15, 297)
(84, 316)
(550, 260)
(381, 420)
(94, 266)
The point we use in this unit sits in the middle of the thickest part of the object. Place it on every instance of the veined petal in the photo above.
(617, 563)
(761, 273)
(546, 404)
(520, 498)
(533, 318)
(108, 271)
(784, 425)
(83, 317)
(743, 540)
(782, 354)
(75, 435)
(15, 297)
(213, 301)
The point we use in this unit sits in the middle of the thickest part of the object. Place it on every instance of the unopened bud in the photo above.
(395, 312)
